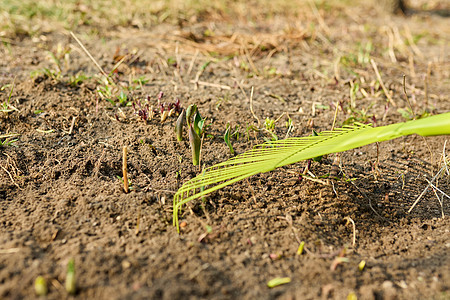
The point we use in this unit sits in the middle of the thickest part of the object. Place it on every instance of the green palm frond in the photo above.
(271, 155)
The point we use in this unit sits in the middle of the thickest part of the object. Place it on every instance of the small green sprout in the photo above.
(76, 80)
(278, 281)
(6, 106)
(106, 93)
(352, 296)
(123, 99)
(70, 284)
(8, 139)
(301, 248)
(195, 130)
(199, 122)
(129, 182)
(179, 125)
(40, 286)
(269, 124)
(226, 137)
(190, 111)
(361, 265)
(141, 80)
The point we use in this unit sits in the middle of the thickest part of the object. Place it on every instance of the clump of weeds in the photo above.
(6, 106)
(8, 140)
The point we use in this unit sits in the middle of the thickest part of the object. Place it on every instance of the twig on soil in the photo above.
(412, 71)
(220, 86)
(118, 64)
(10, 176)
(315, 180)
(427, 77)
(406, 95)
(191, 65)
(250, 61)
(365, 196)
(90, 56)
(391, 44)
(251, 191)
(251, 107)
(349, 220)
(386, 92)
(411, 42)
(435, 188)
(71, 125)
(124, 169)
(335, 116)
(319, 17)
(9, 251)
(430, 184)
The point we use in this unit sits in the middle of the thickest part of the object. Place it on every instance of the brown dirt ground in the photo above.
(60, 197)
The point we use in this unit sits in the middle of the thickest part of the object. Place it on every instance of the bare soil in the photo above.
(60, 196)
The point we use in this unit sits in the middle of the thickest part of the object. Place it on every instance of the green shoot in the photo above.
(123, 99)
(40, 286)
(278, 281)
(195, 131)
(6, 106)
(190, 111)
(79, 78)
(300, 248)
(361, 265)
(269, 124)
(70, 284)
(199, 122)
(141, 81)
(179, 125)
(123, 183)
(226, 137)
(8, 140)
(106, 93)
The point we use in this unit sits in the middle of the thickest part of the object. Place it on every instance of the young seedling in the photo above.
(179, 125)
(300, 248)
(361, 265)
(40, 286)
(76, 80)
(195, 125)
(226, 137)
(123, 99)
(70, 284)
(199, 122)
(8, 140)
(6, 106)
(278, 281)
